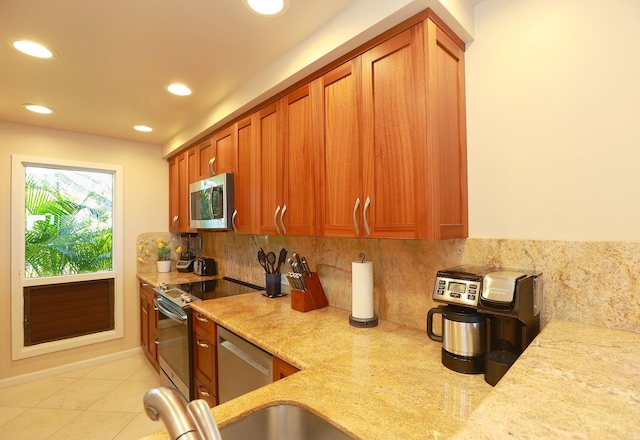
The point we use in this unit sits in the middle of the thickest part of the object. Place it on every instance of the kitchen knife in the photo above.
(297, 258)
(293, 265)
(305, 266)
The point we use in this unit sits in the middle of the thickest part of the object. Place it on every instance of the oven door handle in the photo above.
(169, 313)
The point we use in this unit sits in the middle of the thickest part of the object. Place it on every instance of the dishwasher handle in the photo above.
(246, 357)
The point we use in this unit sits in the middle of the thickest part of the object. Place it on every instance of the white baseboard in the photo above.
(56, 371)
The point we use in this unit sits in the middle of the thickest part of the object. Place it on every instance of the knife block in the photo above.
(310, 299)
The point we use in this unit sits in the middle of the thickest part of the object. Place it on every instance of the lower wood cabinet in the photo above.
(282, 369)
(204, 359)
(148, 324)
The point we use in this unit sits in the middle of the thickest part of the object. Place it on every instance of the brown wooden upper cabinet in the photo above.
(375, 147)
(393, 140)
(244, 177)
(286, 146)
(216, 155)
(181, 172)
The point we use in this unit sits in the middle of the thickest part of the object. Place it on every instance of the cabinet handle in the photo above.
(284, 229)
(233, 221)
(200, 317)
(175, 223)
(364, 215)
(203, 391)
(199, 343)
(355, 221)
(275, 219)
(211, 162)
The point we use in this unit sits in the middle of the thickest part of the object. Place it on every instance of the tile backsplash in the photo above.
(594, 283)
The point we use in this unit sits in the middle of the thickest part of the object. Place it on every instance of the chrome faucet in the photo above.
(191, 422)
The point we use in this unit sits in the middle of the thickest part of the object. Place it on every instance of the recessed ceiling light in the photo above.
(32, 48)
(272, 8)
(178, 89)
(38, 109)
(143, 128)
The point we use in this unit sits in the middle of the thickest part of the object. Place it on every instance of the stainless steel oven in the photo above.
(175, 350)
(174, 345)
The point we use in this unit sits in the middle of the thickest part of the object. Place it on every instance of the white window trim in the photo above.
(18, 350)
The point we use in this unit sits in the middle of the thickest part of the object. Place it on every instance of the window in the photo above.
(66, 254)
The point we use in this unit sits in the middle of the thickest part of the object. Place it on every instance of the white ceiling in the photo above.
(115, 56)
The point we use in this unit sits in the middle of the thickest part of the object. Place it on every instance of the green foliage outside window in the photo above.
(69, 222)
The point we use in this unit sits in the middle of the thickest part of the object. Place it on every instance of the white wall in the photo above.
(145, 206)
(553, 88)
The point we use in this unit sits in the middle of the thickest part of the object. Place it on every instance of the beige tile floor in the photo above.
(98, 403)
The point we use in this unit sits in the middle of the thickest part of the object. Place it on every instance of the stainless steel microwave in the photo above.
(211, 202)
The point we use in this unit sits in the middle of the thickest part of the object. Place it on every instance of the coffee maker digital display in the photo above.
(490, 316)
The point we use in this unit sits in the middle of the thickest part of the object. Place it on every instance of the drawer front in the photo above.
(203, 326)
(202, 392)
(204, 361)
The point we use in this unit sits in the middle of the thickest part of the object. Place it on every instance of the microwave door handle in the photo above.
(211, 189)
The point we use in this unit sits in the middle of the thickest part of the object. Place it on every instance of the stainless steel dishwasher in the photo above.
(242, 367)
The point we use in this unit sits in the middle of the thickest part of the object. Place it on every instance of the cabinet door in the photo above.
(244, 178)
(282, 369)
(144, 322)
(299, 163)
(340, 171)
(269, 169)
(204, 158)
(394, 137)
(174, 194)
(201, 391)
(447, 139)
(204, 361)
(224, 151)
(179, 191)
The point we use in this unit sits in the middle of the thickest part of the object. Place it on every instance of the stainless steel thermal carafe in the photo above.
(463, 338)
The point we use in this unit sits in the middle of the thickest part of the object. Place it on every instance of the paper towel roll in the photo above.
(362, 289)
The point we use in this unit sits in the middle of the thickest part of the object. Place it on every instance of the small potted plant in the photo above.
(164, 255)
(154, 250)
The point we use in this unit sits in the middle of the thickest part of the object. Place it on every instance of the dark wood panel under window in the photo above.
(60, 311)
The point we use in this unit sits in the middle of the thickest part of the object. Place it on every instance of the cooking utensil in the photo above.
(271, 259)
(281, 259)
(262, 259)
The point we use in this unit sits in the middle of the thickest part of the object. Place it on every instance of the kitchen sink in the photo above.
(282, 422)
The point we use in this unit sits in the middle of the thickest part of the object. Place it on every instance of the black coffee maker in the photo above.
(511, 301)
(490, 317)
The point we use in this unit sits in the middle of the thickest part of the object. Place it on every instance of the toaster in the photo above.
(204, 266)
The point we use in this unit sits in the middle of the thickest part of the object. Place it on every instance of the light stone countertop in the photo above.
(388, 382)
(574, 381)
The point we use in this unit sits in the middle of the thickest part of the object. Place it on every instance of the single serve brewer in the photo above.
(490, 317)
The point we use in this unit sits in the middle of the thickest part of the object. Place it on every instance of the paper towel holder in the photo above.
(363, 322)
